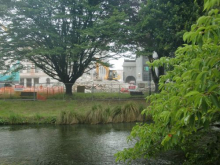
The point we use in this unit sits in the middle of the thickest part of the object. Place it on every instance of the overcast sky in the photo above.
(117, 64)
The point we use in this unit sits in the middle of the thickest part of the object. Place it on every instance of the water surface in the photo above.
(74, 144)
(67, 144)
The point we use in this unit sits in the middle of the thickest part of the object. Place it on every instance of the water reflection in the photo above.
(76, 144)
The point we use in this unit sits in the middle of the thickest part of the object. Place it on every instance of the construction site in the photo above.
(33, 83)
(44, 91)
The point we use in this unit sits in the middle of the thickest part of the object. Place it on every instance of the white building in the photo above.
(31, 75)
(136, 70)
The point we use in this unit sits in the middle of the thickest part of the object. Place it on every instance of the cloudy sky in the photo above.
(117, 64)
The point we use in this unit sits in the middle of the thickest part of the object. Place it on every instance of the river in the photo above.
(64, 144)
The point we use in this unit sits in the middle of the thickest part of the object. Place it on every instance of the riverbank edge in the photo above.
(96, 114)
(53, 120)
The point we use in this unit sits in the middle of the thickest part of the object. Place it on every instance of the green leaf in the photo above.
(192, 93)
(165, 115)
(213, 87)
(165, 140)
(215, 100)
(186, 119)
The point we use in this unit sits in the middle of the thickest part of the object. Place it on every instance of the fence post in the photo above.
(47, 90)
(92, 90)
(34, 93)
(119, 92)
(4, 91)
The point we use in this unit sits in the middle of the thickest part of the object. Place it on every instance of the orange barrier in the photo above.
(39, 97)
(124, 90)
(45, 90)
(6, 90)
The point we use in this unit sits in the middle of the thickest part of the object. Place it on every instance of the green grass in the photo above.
(75, 96)
(67, 112)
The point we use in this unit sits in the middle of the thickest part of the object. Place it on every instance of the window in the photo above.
(21, 81)
(29, 84)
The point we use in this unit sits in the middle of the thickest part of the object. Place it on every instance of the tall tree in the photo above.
(159, 26)
(186, 112)
(61, 37)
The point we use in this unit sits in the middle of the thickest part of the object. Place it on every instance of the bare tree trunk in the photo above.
(69, 88)
(156, 87)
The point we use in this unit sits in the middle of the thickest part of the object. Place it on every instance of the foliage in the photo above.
(61, 37)
(159, 26)
(202, 147)
(163, 24)
(189, 101)
(64, 112)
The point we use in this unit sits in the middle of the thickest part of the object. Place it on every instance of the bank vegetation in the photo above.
(71, 112)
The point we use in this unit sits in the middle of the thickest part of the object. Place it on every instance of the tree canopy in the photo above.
(189, 102)
(61, 37)
(159, 26)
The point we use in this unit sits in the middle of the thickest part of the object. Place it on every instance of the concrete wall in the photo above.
(129, 69)
(137, 69)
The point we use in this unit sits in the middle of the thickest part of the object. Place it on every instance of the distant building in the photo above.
(32, 75)
(136, 70)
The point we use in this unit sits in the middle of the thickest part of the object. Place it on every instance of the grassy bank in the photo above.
(76, 96)
(70, 112)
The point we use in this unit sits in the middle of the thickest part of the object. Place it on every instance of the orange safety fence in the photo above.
(6, 90)
(39, 97)
(45, 90)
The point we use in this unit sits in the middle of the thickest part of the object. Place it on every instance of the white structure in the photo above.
(136, 70)
(31, 75)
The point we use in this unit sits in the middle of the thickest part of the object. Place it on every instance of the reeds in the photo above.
(68, 117)
(128, 113)
(95, 115)
(99, 113)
